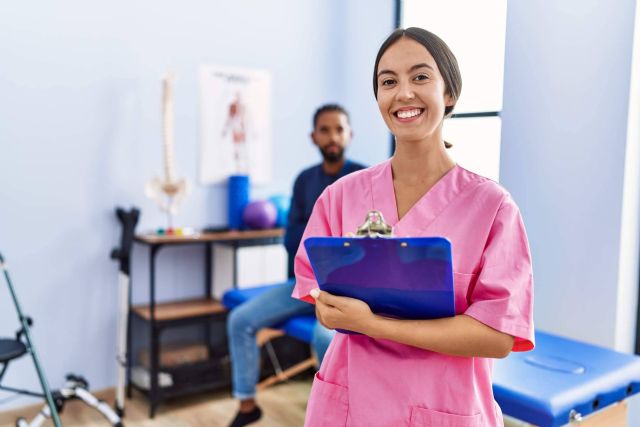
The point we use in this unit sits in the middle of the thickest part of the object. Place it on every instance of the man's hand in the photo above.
(336, 312)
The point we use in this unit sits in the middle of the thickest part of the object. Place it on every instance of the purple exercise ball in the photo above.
(260, 215)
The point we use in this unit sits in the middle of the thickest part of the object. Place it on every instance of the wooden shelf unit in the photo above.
(190, 377)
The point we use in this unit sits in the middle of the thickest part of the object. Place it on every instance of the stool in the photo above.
(563, 381)
(299, 327)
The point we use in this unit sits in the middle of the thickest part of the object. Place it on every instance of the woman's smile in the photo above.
(408, 114)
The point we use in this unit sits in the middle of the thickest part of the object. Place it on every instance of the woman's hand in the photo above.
(336, 312)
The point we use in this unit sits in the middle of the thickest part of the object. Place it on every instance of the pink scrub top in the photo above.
(381, 383)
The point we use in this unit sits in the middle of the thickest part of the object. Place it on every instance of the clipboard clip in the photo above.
(374, 226)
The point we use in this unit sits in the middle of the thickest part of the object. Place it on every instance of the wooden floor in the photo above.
(283, 405)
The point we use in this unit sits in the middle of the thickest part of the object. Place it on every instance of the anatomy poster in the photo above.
(236, 124)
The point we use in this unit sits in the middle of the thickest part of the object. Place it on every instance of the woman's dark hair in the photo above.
(445, 60)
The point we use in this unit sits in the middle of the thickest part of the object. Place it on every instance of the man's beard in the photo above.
(332, 157)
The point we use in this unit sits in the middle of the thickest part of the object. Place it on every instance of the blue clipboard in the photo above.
(408, 278)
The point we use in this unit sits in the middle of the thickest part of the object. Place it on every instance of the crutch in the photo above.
(128, 220)
(27, 334)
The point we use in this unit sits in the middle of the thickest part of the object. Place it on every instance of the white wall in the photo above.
(566, 100)
(366, 25)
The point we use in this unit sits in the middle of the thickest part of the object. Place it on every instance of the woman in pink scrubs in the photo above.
(421, 372)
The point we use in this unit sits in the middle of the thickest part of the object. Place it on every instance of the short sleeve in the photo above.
(318, 226)
(503, 294)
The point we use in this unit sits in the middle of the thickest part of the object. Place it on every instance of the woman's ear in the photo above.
(448, 100)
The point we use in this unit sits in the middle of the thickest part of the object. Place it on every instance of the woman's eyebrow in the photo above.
(413, 68)
(421, 65)
(381, 72)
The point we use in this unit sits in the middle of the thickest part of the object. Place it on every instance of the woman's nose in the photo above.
(405, 92)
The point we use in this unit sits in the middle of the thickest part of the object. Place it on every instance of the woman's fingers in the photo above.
(325, 314)
(326, 298)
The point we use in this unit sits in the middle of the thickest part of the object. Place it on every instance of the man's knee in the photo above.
(238, 321)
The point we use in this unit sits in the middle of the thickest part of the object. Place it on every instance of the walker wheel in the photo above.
(58, 400)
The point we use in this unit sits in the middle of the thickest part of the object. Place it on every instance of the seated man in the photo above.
(331, 134)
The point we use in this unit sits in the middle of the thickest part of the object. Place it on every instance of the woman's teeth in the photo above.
(406, 114)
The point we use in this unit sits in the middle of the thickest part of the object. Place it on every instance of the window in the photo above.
(475, 32)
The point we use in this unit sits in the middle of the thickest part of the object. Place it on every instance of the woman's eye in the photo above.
(387, 82)
(421, 77)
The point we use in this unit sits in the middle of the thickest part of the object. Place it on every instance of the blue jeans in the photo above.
(265, 310)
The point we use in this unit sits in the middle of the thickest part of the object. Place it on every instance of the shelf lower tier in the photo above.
(192, 378)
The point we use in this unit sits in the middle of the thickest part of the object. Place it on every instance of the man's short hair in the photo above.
(327, 108)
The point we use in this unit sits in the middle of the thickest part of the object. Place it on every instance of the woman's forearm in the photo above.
(460, 335)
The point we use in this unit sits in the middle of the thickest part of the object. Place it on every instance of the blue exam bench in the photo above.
(563, 379)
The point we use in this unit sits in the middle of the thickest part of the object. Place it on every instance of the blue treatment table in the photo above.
(563, 380)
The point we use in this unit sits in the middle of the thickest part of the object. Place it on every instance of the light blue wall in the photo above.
(367, 24)
(566, 93)
(80, 132)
